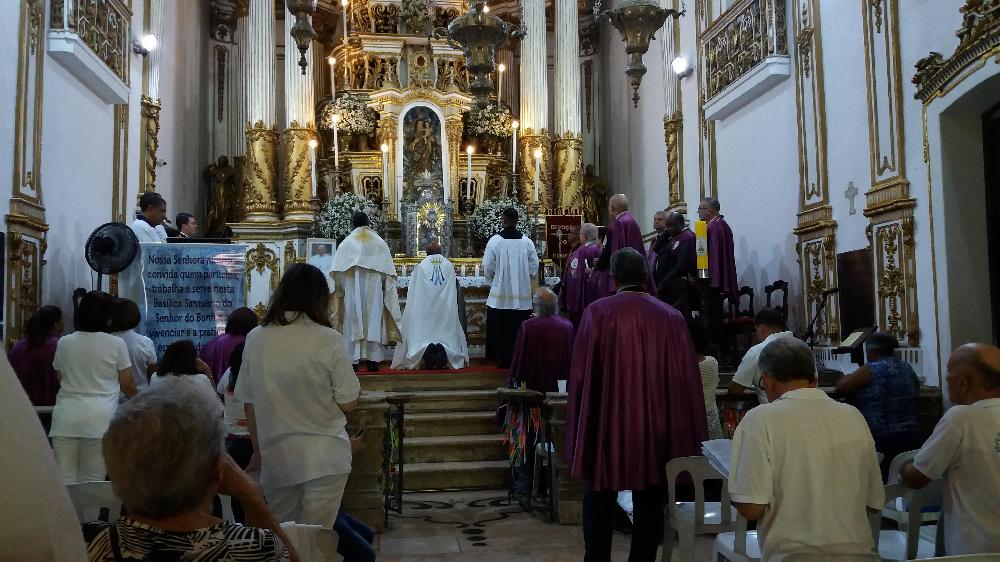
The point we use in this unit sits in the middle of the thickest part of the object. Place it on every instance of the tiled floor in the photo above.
(483, 527)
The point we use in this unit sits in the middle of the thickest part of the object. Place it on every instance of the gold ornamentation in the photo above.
(804, 40)
(221, 54)
(24, 279)
(260, 309)
(817, 254)
(453, 130)
(672, 127)
(261, 258)
(119, 179)
(569, 170)
(261, 155)
(431, 214)
(810, 103)
(890, 284)
(28, 105)
(151, 129)
(747, 34)
(103, 25)
(289, 254)
(979, 38)
(885, 104)
(298, 172)
(529, 141)
(588, 91)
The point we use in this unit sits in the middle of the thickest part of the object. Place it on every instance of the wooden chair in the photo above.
(769, 290)
(740, 324)
(693, 518)
(94, 501)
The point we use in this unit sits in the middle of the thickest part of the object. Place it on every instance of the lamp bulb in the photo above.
(680, 65)
(331, 60)
(343, 3)
(486, 9)
(502, 67)
(148, 42)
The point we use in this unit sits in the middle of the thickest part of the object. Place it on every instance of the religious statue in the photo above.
(391, 76)
(593, 196)
(423, 147)
(222, 194)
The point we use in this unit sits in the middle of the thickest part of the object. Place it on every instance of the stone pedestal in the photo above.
(272, 248)
(363, 496)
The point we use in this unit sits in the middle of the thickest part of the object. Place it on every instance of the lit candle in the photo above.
(312, 165)
(468, 178)
(333, 77)
(538, 163)
(344, 4)
(515, 125)
(385, 167)
(336, 145)
(500, 70)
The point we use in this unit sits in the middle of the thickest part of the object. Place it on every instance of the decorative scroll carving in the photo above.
(371, 187)
(672, 127)
(261, 157)
(260, 258)
(221, 54)
(746, 35)
(818, 258)
(103, 25)
(588, 92)
(298, 171)
(810, 104)
(529, 141)
(452, 76)
(569, 170)
(443, 16)
(385, 18)
(979, 39)
(150, 131)
(289, 254)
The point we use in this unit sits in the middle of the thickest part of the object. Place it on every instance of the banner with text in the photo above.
(190, 290)
(557, 237)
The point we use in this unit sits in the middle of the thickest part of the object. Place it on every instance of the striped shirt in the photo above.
(137, 541)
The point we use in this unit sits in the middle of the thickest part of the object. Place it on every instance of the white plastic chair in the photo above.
(89, 498)
(227, 508)
(693, 518)
(896, 509)
(544, 455)
(738, 545)
(989, 557)
(314, 543)
(908, 544)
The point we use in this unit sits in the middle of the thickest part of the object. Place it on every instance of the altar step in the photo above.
(454, 448)
(472, 379)
(454, 401)
(470, 475)
(440, 424)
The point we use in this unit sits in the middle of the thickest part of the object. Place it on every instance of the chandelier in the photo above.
(302, 30)
(636, 21)
(479, 34)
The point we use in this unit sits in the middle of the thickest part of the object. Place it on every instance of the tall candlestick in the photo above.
(336, 145)
(500, 70)
(312, 165)
(333, 77)
(515, 125)
(538, 163)
(468, 177)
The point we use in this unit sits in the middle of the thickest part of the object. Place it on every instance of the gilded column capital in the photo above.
(568, 171)
(298, 171)
(261, 192)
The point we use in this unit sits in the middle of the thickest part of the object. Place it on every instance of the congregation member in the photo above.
(296, 383)
(577, 290)
(543, 347)
(510, 264)
(708, 367)
(623, 232)
(804, 465)
(885, 390)
(166, 462)
(92, 367)
(366, 306)
(217, 351)
(676, 265)
(430, 321)
(141, 351)
(635, 402)
(180, 359)
(721, 263)
(31, 357)
(238, 444)
(770, 327)
(660, 228)
(965, 450)
(187, 225)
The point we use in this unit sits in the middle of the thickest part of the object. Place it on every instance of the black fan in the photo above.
(110, 249)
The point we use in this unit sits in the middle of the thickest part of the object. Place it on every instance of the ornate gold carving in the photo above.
(747, 34)
(221, 54)
(261, 194)
(103, 25)
(979, 39)
(810, 103)
(261, 258)
(804, 41)
(289, 254)
(24, 279)
(588, 92)
(569, 170)
(298, 172)
(453, 130)
(817, 254)
(672, 127)
(150, 131)
(119, 179)
(529, 141)
(28, 105)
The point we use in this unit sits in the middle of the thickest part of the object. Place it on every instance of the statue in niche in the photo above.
(422, 152)
(391, 75)
(593, 197)
(222, 194)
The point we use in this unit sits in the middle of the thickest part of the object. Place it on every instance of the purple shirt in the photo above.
(541, 353)
(216, 354)
(35, 371)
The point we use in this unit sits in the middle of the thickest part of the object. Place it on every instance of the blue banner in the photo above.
(190, 290)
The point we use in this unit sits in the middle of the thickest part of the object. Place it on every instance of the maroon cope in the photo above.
(577, 290)
(541, 353)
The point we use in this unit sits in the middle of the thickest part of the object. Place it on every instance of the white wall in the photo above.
(9, 12)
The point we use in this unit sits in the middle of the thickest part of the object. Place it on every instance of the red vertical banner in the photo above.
(557, 236)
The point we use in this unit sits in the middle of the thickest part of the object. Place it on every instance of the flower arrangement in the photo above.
(415, 14)
(491, 121)
(335, 218)
(356, 118)
(487, 219)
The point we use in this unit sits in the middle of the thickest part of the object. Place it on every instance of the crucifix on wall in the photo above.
(850, 194)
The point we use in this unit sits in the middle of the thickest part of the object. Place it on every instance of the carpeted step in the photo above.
(435, 424)
(454, 448)
(475, 475)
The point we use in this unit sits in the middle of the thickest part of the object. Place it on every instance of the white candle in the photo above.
(500, 70)
(538, 163)
(312, 165)
(385, 168)
(468, 178)
(515, 125)
(344, 4)
(333, 77)
(336, 145)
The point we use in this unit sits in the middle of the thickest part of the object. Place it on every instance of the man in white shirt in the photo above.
(770, 327)
(148, 228)
(431, 315)
(965, 450)
(805, 465)
(510, 263)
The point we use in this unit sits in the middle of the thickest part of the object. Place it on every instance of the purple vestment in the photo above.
(721, 257)
(33, 366)
(542, 353)
(216, 353)
(622, 233)
(635, 394)
(577, 291)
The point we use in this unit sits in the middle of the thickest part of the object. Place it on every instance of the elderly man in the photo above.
(965, 450)
(623, 232)
(577, 290)
(635, 402)
(721, 263)
(543, 347)
(676, 263)
(660, 226)
(808, 484)
(430, 320)
(510, 263)
(770, 327)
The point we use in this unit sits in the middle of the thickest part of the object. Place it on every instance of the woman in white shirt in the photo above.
(180, 359)
(141, 351)
(92, 368)
(297, 382)
(708, 366)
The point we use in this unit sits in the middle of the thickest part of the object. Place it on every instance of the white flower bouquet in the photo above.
(356, 118)
(487, 219)
(335, 218)
(490, 121)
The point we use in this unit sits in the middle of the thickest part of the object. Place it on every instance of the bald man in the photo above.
(577, 291)
(543, 347)
(965, 450)
(623, 232)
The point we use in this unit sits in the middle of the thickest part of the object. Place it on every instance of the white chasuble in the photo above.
(510, 265)
(431, 316)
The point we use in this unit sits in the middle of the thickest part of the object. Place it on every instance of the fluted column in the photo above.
(534, 103)
(150, 102)
(236, 93)
(507, 82)
(301, 113)
(387, 135)
(672, 121)
(262, 139)
(568, 142)
(453, 131)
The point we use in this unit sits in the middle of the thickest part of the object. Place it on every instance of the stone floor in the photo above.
(483, 527)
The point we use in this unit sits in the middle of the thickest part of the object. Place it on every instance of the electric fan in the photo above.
(110, 249)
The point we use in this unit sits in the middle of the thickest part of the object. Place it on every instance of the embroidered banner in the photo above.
(557, 237)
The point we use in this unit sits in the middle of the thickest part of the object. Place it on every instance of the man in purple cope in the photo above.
(721, 264)
(543, 347)
(623, 232)
(577, 290)
(635, 402)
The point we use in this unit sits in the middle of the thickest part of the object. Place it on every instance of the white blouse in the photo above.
(88, 392)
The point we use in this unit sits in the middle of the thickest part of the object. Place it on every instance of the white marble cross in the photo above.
(850, 194)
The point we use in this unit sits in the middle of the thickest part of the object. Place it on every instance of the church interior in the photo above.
(867, 206)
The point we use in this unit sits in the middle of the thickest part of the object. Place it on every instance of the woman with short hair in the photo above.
(32, 355)
(296, 382)
(166, 463)
(181, 359)
(125, 319)
(217, 351)
(92, 367)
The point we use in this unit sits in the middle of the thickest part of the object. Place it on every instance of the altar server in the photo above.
(509, 264)
(365, 304)
(431, 315)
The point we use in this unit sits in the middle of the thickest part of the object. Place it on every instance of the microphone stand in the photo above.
(810, 335)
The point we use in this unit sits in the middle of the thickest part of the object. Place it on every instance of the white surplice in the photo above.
(510, 264)
(431, 316)
(130, 281)
(365, 306)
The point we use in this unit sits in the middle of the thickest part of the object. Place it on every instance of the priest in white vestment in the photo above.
(365, 305)
(510, 264)
(148, 228)
(431, 315)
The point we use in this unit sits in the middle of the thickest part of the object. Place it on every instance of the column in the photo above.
(262, 139)
(508, 87)
(387, 134)
(150, 102)
(237, 126)
(453, 132)
(672, 120)
(534, 104)
(301, 113)
(568, 140)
